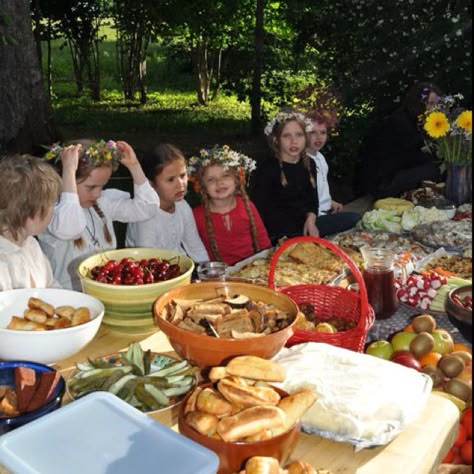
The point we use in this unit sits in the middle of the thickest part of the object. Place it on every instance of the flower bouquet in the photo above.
(449, 130)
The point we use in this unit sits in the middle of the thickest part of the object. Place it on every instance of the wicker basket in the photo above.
(329, 301)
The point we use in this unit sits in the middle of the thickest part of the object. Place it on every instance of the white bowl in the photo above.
(46, 347)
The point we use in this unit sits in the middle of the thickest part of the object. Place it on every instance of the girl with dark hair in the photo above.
(392, 158)
(82, 222)
(173, 227)
(228, 222)
(284, 189)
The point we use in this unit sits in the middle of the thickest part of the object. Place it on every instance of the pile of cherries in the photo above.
(465, 302)
(135, 272)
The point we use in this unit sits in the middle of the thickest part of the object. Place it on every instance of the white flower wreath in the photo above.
(282, 117)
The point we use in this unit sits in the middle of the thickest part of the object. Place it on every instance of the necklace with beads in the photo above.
(92, 234)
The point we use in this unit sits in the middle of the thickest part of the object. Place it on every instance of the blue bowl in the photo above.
(7, 378)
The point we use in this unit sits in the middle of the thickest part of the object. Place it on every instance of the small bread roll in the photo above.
(295, 406)
(36, 303)
(61, 323)
(212, 402)
(262, 436)
(250, 421)
(246, 396)
(81, 316)
(35, 315)
(256, 368)
(300, 467)
(217, 373)
(191, 401)
(204, 423)
(262, 465)
(65, 312)
(21, 324)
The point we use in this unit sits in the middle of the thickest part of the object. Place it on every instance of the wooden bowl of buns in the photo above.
(223, 340)
(239, 414)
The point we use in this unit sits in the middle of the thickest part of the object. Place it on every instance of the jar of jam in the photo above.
(379, 278)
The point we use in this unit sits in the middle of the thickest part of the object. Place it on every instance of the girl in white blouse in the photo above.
(29, 189)
(173, 227)
(82, 222)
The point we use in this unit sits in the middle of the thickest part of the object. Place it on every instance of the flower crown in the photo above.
(97, 154)
(282, 117)
(223, 156)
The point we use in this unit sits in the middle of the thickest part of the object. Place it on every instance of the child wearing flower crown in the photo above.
(30, 187)
(173, 227)
(331, 217)
(82, 222)
(284, 189)
(228, 222)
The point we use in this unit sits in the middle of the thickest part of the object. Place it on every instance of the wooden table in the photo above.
(419, 449)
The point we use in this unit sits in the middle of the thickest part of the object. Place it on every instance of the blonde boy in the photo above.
(30, 187)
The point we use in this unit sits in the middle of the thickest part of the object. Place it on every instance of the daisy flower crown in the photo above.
(282, 117)
(223, 156)
(97, 154)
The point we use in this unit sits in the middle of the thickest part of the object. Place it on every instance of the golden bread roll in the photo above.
(262, 465)
(217, 373)
(256, 368)
(21, 324)
(35, 315)
(204, 423)
(65, 312)
(61, 323)
(251, 421)
(246, 396)
(81, 315)
(212, 402)
(300, 467)
(36, 303)
(295, 406)
(262, 436)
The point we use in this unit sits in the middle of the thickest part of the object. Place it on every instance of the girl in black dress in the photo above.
(284, 186)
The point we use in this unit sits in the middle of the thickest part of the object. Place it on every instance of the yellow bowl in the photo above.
(128, 309)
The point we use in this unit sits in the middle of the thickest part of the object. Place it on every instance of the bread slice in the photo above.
(25, 383)
(45, 388)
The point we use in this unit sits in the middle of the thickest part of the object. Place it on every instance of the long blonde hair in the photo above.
(239, 191)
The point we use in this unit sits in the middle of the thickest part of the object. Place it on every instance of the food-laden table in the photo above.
(419, 449)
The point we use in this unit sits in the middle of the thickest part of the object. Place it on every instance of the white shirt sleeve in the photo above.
(120, 206)
(191, 240)
(324, 195)
(68, 221)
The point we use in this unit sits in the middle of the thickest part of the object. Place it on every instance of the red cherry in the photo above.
(139, 281)
(116, 280)
(148, 278)
(110, 265)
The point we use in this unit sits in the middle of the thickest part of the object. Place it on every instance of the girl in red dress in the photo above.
(227, 221)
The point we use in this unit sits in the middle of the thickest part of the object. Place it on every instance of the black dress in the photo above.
(284, 209)
(392, 159)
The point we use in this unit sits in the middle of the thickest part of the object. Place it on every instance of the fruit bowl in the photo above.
(52, 403)
(206, 351)
(128, 308)
(46, 347)
(233, 455)
(460, 316)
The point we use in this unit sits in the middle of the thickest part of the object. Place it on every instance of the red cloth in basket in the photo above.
(329, 301)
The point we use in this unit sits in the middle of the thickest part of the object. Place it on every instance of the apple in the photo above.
(444, 343)
(407, 359)
(401, 340)
(381, 348)
(466, 373)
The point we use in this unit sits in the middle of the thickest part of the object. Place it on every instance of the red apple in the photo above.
(381, 348)
(401, 340)
(407, 359)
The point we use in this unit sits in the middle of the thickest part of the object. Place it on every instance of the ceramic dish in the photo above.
(158, 361)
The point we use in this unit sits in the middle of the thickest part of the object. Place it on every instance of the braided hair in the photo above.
(240, 191)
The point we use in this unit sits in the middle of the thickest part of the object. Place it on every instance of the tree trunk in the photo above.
(217, 81)
(202, 71)
(256, 93)
(25, 117)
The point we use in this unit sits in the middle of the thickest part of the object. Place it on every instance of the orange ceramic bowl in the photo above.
(206, 351)
(233, 456)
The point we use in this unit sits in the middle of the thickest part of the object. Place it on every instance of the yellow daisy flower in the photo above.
(437, 125)
(464, 121)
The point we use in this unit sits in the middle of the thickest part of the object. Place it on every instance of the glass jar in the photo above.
(379, 278)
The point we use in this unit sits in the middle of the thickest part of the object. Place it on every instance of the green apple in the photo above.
(381, 348)
(401, 340)
(443, 341)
